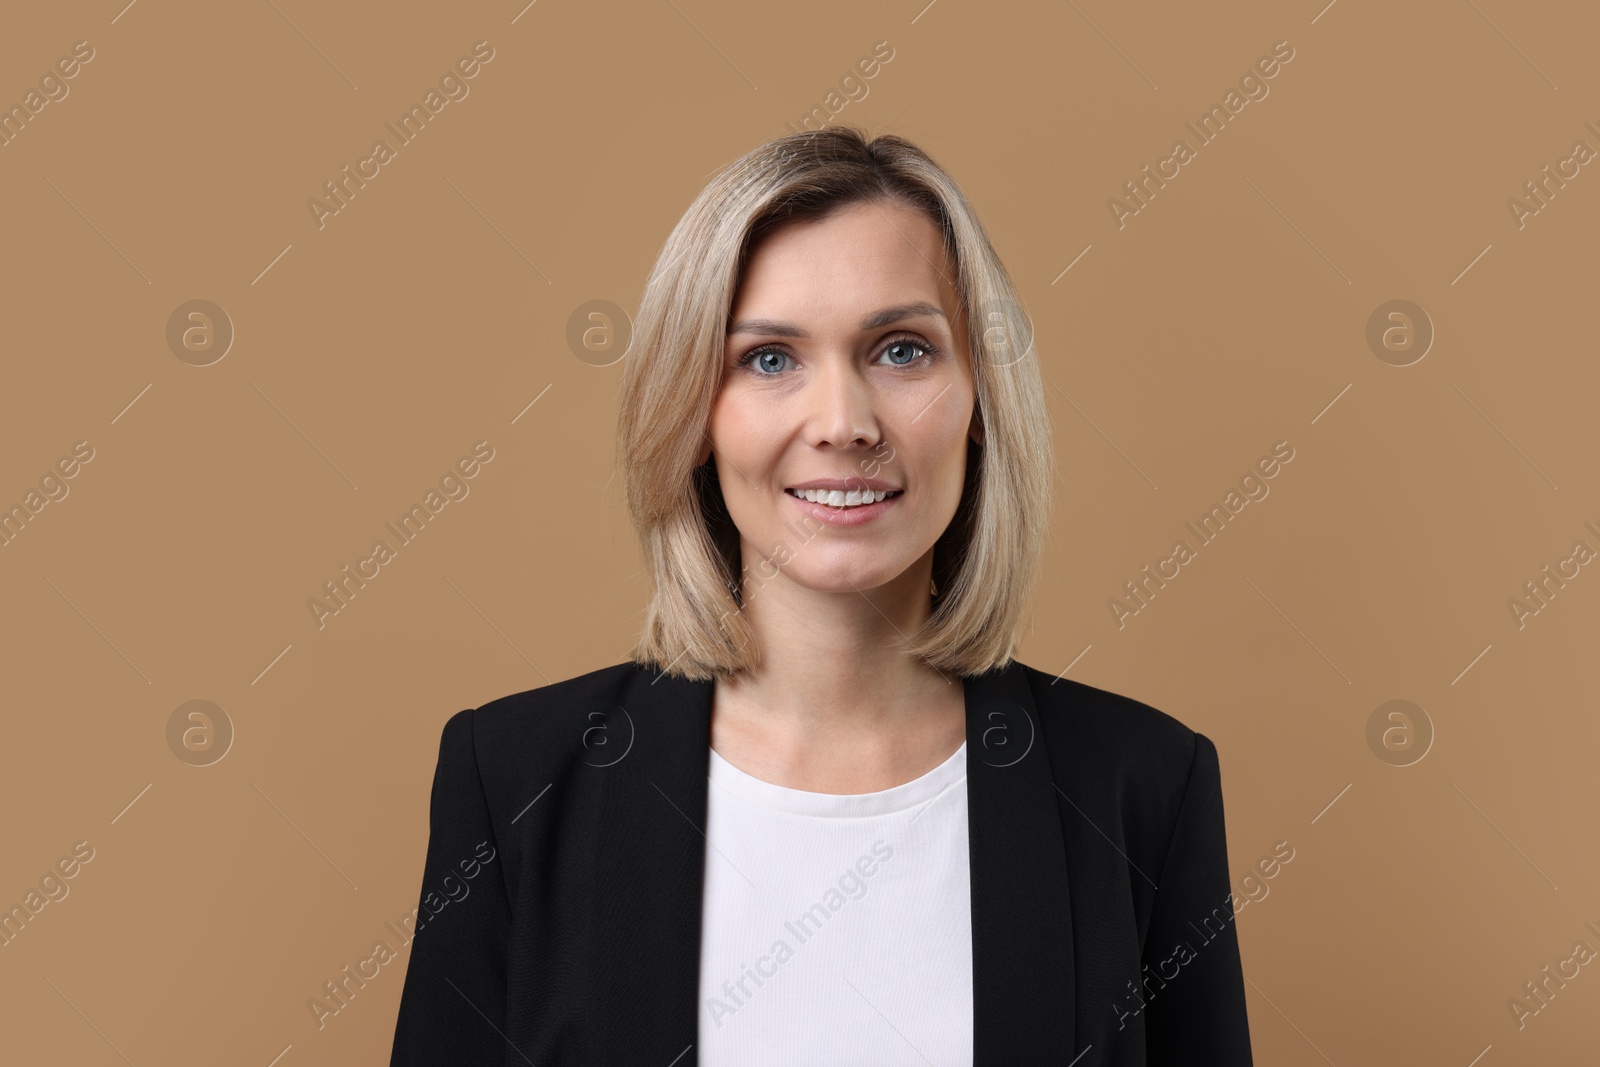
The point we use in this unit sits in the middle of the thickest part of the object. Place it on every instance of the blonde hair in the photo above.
(985, 561)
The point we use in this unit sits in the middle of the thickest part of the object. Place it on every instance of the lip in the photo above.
(841, 516)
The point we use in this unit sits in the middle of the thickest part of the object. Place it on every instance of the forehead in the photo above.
(861, 257)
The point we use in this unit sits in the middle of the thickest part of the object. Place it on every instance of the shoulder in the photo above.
(529, 709)
(1116, 725)
(1116, 739)
(536, 729)
(1133, 772)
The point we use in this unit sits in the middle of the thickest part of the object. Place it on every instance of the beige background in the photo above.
(1229, 314)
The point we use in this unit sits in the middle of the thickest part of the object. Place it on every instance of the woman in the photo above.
(821, 815)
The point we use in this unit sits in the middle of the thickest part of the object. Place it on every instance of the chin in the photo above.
(848, 580)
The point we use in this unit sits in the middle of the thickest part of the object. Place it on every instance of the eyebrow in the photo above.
(873, 321)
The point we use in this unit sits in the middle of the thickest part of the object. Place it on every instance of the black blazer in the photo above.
(561, 894)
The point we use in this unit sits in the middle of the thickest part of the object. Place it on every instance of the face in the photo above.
(846, 361)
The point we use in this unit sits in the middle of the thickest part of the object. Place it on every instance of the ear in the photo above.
(705, 454)
(975, 430)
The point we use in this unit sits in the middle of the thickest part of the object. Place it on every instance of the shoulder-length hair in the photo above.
(985, 561)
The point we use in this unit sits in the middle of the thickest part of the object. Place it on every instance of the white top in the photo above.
(836, 928)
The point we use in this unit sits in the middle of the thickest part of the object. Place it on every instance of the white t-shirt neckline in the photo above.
(903, 797)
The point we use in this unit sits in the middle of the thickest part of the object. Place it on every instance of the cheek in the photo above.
(728, 429)
(935, 435)
(746, 443)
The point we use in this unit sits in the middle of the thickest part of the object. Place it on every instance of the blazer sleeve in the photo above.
(453, 1004)
(1194, 981)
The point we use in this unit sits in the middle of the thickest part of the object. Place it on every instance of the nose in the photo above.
(841, 407)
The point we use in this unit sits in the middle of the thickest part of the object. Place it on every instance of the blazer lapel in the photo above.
(649, 853)
(649, 857)
(1023, 1008)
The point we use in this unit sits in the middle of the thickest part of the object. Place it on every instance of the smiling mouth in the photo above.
(840, 499)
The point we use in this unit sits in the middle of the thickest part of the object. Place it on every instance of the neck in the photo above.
(830, 665)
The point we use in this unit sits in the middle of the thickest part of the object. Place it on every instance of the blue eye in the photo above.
(904, 344)
(895, 348)
(763, 356)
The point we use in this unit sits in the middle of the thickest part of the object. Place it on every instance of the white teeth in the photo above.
(839, 498)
